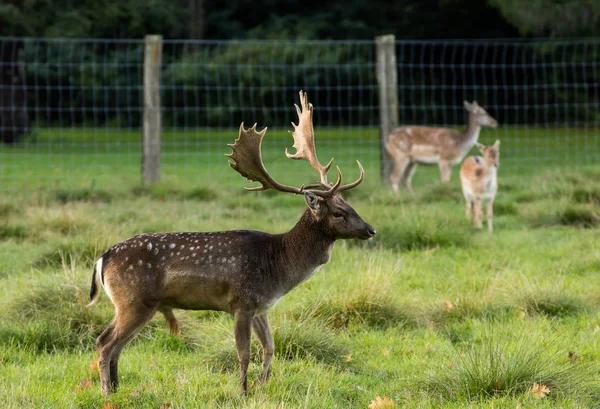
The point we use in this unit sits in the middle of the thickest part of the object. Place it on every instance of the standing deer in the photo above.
(242, 272)
(412, 145)
(479, 180)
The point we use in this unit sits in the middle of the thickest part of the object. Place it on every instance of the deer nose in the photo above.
(371, 231)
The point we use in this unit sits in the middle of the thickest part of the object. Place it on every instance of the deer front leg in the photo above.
(445, 170)
(263, 332)
(400, 164)
(243, 331)
(469, 208)
(490, 215)
(477, 213)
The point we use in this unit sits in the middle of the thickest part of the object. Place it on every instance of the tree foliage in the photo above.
(554, 18)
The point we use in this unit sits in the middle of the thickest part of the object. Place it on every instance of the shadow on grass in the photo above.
(13, 231)
(164, 192)
(580, 216)
(82, 195)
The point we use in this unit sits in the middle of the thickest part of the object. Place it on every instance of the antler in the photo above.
(304, 140)
(246, 152)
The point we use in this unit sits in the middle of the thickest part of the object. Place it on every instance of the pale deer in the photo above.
(413, 145)
(242, 272)
(479, 180)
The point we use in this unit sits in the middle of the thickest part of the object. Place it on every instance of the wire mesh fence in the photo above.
(71, 109)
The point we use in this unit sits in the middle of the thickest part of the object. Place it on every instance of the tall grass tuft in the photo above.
(369, 303)
(509, 364)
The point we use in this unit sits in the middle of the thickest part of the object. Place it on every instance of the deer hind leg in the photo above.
(124, 327)
(490, 215)
(263, 332)
(171, 320)
(400, 164)
(409, 171)
(242, 321)
(477, 213)
(445, 171)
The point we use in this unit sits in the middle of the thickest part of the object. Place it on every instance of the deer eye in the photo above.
(338, 214)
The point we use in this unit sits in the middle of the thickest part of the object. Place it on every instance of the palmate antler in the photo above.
(246, 154)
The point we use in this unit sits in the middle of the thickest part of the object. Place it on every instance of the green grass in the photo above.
(431, 313)
(108, 159)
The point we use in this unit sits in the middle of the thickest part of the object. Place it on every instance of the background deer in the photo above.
(242, 272)
(479, 180)
(412, 145)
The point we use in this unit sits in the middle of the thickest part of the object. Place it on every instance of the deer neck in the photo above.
(470, 135)
(305, 248)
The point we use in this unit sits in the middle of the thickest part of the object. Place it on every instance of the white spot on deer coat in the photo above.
(172, 245)
(149, 246)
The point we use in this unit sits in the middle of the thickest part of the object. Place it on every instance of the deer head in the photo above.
(323, 199)
(491, 154)
(480, 115)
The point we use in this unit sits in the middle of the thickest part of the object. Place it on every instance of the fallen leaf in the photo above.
(82, 385)
(539, 390)
(385, 351)
(165, 406)
(349, 358)
(94, 366)
(385, 403)
(498, 385)
(108, 405)
(573, 357)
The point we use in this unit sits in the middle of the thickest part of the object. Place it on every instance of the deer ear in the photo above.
(481, 147)
(475, 103)
(497, 143)
(313, 202)
(467, 105)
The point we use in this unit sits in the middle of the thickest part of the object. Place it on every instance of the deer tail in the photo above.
(96, 282)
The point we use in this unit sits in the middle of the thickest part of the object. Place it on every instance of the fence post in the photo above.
(387, 78)
(152, 114)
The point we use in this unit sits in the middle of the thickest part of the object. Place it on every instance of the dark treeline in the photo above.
(99, 82)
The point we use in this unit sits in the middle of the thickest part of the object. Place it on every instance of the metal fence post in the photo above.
(387, 79)
(152, 114)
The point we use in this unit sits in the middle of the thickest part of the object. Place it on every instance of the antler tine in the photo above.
(304, 139)
(355, 183)
(326, 194)
(246, 154)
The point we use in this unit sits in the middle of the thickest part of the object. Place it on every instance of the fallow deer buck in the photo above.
(479, 180)
(413, 145)
(242, 272)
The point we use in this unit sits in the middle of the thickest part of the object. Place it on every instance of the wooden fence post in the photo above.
(152, 114)
(387, 78)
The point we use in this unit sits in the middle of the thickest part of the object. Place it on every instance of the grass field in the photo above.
(108, 158)
(431, 313)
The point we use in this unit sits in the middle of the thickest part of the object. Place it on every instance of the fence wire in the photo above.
(71, 109)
